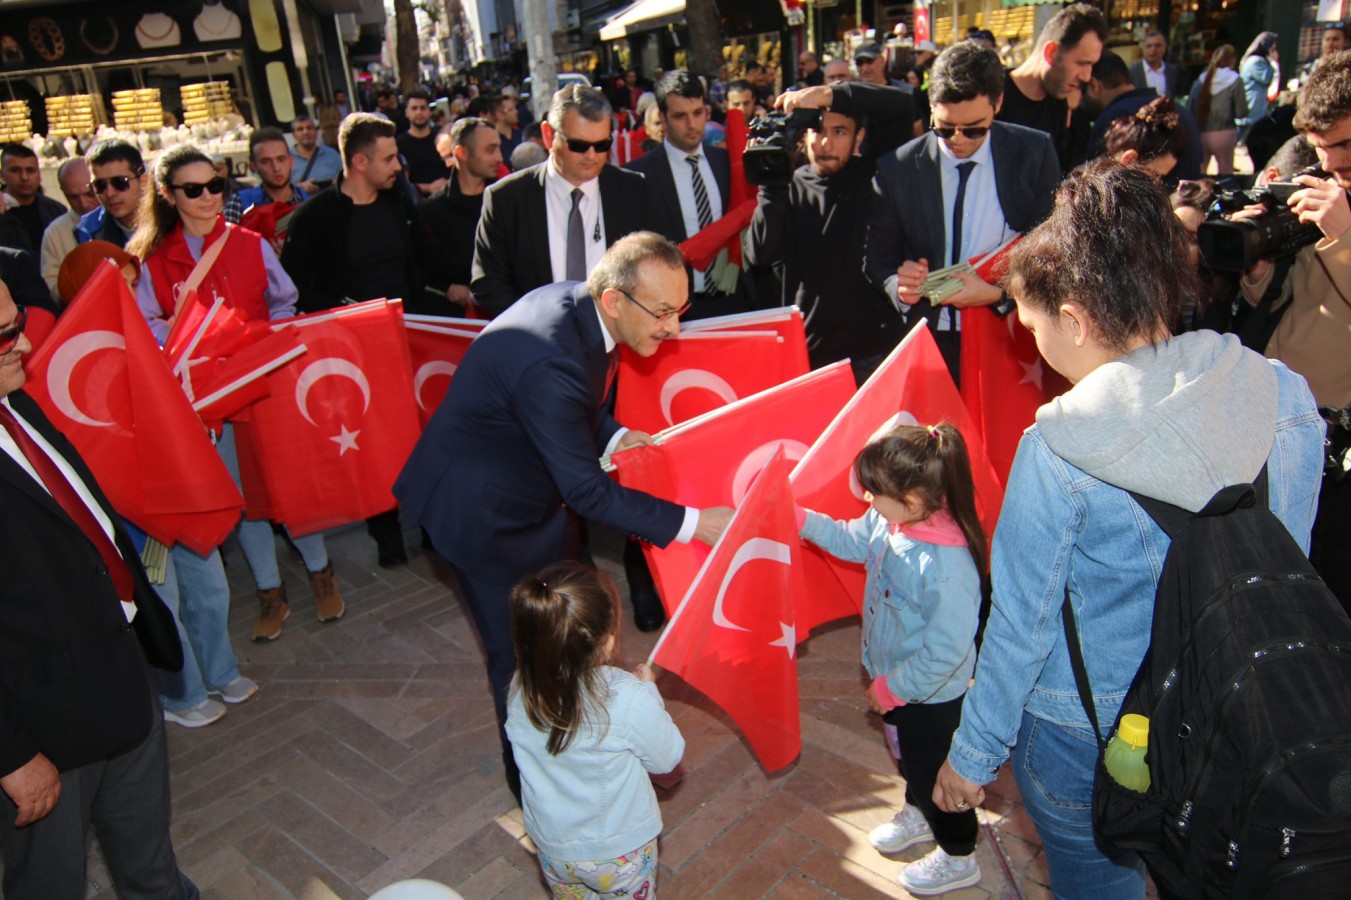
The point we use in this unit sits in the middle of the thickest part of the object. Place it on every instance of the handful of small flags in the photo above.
(155, 558)
(941, 284)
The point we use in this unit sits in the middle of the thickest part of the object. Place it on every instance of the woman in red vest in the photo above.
(180, 221)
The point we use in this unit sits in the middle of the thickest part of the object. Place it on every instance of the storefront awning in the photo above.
(641, 15)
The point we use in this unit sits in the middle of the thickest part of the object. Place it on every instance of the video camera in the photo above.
(1233, 245)
(771, 142)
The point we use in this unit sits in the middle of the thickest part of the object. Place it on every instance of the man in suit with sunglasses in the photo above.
(81, 732)
(119, 179)
(965, 188)
(554, 221)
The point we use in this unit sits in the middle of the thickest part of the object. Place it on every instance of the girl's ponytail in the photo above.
(960, 489)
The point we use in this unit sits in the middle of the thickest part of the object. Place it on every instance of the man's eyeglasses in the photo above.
(193, 190)
(577, 146)
(662, 316)
(10, 336)
(119, 183)
(947, 132)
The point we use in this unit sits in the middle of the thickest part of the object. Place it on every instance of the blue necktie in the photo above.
(963, 173)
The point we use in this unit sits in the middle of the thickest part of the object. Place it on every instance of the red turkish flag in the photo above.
(699, 372)
(712, 460)
(734, 635)
(911, 385)
(436, 353)
(786, 322)
(1004, 381)
(325, 447)
(102, 380)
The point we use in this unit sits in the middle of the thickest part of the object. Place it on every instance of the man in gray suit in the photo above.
(1153, 71)
(965, 188)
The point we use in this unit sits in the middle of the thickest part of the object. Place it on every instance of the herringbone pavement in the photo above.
(370, 756)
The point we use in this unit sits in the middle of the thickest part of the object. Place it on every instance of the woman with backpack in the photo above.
(1173, 418)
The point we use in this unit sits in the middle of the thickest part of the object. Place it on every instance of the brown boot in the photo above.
(272, 612)
(327, 601)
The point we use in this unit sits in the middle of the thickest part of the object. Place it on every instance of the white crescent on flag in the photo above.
(321, 368)
(755, 548)
(693, 378)
(756, 460)
(63, 363)
(428, 371)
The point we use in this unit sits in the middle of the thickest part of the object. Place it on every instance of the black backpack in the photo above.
(1247, 687)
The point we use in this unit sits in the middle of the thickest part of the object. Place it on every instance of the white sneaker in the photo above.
(938, 873)
(238, 690)
(906, 829)
(199, 716)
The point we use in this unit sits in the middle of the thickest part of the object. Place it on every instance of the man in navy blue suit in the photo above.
(509, 461)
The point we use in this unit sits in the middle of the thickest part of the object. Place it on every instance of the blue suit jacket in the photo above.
(516, 440)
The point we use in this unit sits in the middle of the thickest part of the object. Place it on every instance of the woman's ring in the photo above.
(961, 804)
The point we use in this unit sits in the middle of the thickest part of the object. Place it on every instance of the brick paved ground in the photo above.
(370, 755)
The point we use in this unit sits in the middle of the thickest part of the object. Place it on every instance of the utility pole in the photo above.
(539, 46)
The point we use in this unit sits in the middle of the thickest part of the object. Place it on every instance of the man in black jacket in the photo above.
(472, 150)
(812, 230)
(33, 211)
(553, 222)
(354, 241)
(81, 732)
(964, 189)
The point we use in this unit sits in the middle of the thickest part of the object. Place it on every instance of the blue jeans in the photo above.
(1053, 766)
(196, 592)
(256, 539)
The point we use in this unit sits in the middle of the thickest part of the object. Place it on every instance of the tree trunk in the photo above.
(539, 45)
(406, 50)
(702, 20)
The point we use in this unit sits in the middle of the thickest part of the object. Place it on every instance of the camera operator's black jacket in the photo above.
(813, 232)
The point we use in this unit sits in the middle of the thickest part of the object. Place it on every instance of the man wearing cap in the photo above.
(871, 62)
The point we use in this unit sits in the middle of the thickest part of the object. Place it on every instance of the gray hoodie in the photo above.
(1175, 421)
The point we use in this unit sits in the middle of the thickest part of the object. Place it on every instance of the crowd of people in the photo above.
(472, 210)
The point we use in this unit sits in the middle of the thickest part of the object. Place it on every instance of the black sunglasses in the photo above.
(10, 336)
(577, 146)
(192, 190)
(119, 183)
(947, 132)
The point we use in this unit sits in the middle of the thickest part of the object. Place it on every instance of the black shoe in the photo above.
(649, 623)
(648, 612)
(390, 555)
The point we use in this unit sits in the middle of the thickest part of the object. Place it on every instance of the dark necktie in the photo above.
(963, 173)
(576, 259)
(701, 203)
(64, 493)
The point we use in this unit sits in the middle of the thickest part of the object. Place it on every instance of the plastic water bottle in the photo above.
(1125, 756)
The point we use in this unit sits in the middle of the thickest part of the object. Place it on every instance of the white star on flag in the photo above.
(788, 641)
(347, 440)
(1032, 372)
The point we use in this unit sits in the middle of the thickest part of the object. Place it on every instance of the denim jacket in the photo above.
(594, 800)
(920, 605)
(1058, 526)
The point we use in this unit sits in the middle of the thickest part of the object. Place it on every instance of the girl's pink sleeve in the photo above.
(885, 698)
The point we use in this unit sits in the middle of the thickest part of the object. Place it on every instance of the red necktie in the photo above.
(65, 494)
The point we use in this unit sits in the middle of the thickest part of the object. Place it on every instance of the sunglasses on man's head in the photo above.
(193, 190)
(119, 183)
(947, 132)
(577, 146)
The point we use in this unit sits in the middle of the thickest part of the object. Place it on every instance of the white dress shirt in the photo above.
(558, 205)
(689, 208)
(984, 227)
(8, 445)
(1156, 78)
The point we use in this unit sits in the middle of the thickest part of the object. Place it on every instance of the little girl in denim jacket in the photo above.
(925, 553)
(585, 735)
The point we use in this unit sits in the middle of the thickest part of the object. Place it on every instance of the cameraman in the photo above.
(1314, 334)
(812, 230)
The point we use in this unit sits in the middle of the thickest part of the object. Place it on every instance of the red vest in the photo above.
(238, 274)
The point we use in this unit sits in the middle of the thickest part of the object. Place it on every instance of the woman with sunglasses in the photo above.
(179, 220)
